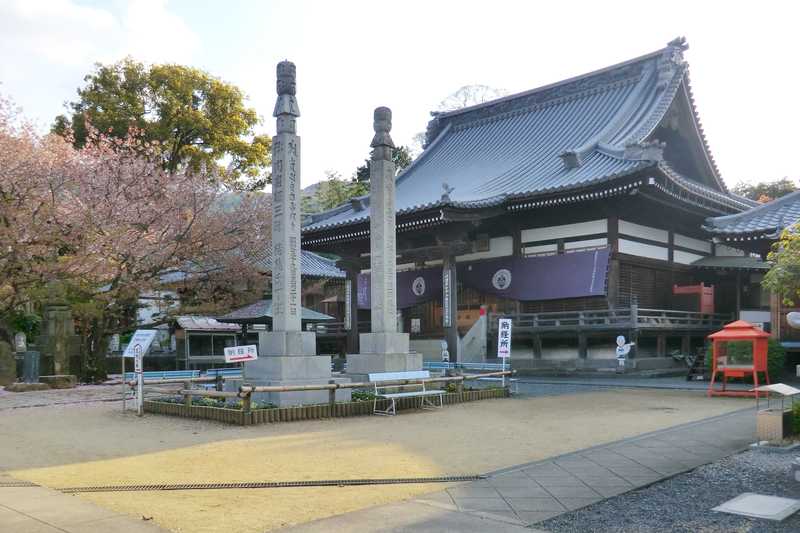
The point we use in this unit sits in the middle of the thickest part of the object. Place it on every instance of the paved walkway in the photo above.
(41, 510)
(521, 496)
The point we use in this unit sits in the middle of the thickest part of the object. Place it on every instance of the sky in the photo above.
(353, 56)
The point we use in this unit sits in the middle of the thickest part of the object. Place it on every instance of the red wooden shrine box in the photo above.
(722, 361)
(705, 294)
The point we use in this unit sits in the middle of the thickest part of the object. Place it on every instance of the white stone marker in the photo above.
(384, 349)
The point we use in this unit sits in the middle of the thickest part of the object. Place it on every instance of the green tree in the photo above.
(195, 119)
(332, 192)
(783, 277)
(401, 156)
(765, 191)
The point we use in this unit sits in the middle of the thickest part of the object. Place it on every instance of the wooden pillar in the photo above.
(450, 305)
(686, 344)
(537, 347)
(352, 267)
(613, 266)
(661, 345)
(775, 315)
(671, 246)
(583, 346)
(738, 294)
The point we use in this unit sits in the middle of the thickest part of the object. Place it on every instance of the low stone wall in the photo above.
(306, 412)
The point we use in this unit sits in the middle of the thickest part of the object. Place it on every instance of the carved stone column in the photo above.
(384, 349)
(287, 355)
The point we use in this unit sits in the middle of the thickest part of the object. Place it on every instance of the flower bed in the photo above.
(305, 412)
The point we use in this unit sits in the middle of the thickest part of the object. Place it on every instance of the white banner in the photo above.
(504, 338)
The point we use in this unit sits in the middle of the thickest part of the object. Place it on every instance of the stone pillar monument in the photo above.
(384, 349)
(287, 355)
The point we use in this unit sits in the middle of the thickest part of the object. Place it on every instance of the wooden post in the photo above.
(661, 345)
(187, 398)
(219, 383)
(331, 397)
(686, 344)
(583, 346)
(247, 403)
(738, 294)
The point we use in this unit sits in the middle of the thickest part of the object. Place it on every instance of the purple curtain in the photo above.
(413, 287)
(549, 277)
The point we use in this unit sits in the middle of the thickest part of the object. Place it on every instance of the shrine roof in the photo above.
(765, 220)
(262, 309)
(571, 135)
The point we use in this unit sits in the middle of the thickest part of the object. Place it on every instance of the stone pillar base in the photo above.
(288, 358)
(382, 352)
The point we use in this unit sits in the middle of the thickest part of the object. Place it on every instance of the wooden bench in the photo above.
(423, 394)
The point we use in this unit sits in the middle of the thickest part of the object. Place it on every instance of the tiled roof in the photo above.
(311, 264)
(734, 262)
(263, 309)
(204, 323)
(561, 137)
(767, 220)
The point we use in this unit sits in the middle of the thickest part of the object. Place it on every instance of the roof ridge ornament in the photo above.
(571, 158)
(645, 151)
(446, 190)
(671, 61)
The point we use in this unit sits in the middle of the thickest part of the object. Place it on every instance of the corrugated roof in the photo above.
(204, 323)
(513, 147)
(768, 219)
(263, 309)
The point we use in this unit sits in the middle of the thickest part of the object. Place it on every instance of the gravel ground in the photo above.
(684, 502)
(53, 397)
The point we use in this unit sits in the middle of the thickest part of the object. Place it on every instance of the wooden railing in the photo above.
(612, 319)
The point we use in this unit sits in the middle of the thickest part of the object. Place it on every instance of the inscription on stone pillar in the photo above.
(382, 226)
(285, 205)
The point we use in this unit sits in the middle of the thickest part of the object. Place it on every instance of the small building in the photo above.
(200, 342)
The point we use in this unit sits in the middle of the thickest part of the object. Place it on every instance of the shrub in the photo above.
(362, 395)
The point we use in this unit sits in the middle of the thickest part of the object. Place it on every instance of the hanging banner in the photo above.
(504, 338)
(550, 277)
(413, 287)
(348, 304)
(447, 298)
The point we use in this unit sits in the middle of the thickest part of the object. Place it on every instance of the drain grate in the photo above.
(270, 484)
(11, 484)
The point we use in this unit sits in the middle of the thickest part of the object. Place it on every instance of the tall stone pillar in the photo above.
(287, 355)
(384, 349)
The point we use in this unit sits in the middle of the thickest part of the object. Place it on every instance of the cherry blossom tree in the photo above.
(109, 223)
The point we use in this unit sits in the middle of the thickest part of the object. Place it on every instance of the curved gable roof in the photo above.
(568, 135)
(767, 219)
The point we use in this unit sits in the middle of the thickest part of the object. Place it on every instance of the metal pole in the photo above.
(139, 383)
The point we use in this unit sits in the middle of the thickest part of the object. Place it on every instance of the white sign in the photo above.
(240, 354)
(504, 338)
(140, 342)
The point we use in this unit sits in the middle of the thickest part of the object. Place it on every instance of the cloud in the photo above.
(66, 34)
(48, 46)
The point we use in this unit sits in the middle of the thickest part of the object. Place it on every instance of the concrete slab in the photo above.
(760, 506)
(411, 516)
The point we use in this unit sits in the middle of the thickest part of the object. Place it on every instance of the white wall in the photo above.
(566, 230)
(498, 247)
(643, 250)
(643, 232)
